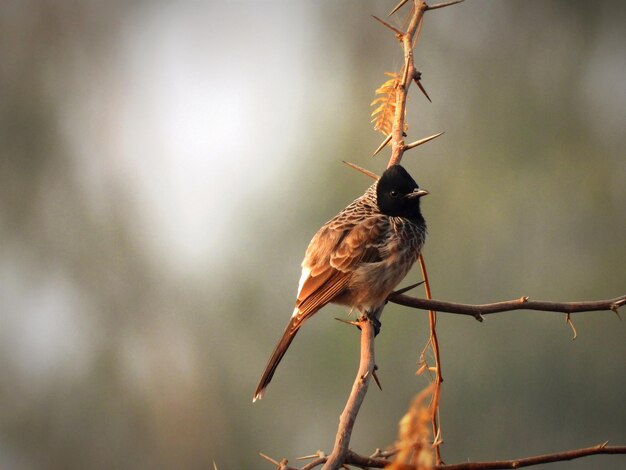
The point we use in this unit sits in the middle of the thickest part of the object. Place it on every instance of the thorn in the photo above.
(269, 459)
(382, 146)
(479, 317)
(421, 141)
(398, 6)
(615, 307)
(405, 74)
(571, 324)
(407, 288)
(348, 322)
(376, 377)
(442, 5)
(421, 87)
(399, 33)
(603, 445)
(317, 454)
(214, 465)
(374, 176)
(524, 299)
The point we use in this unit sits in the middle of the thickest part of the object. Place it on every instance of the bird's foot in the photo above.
(370, 318)
(375, 323)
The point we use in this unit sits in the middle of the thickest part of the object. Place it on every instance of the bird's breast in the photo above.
(372, 283)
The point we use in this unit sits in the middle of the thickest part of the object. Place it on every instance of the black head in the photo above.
(398, 194)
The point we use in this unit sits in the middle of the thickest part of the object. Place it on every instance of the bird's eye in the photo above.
(393, 193)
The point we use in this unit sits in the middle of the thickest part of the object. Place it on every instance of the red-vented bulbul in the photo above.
(359, 256)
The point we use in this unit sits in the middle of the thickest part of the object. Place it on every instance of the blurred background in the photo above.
(163, 167)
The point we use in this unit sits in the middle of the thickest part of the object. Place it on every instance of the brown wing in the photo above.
(332, 256)
(330, 260)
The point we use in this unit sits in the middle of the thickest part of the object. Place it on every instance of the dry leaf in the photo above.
(385, 104)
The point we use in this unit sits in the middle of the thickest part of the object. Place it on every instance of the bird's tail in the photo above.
(280, 350)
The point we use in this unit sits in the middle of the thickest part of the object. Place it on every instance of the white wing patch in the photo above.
(305, 275)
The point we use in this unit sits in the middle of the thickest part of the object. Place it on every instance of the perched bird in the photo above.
(359, 256)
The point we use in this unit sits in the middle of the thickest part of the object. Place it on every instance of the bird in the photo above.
(358, 257)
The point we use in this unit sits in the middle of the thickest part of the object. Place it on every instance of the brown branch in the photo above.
(346, 421)
(522, 303)
(434, 344)
(352, 458)
(397, 142)
(536, 460)
(367, 365)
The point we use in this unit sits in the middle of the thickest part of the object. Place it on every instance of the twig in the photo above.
(366, 367)
(536, 460)
(379, 459)
(434, 343)
(522, 303)
(397, 142)
(346, 421)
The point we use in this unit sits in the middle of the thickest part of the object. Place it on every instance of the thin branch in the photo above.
(346, 421)
(375, 461)
(522, 303)
(434, 343)
(352, 458)
(537, 460)
(408, 43)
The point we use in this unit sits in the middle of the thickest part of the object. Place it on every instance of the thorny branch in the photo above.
(523, 303)
(367, 364)
(381, 461)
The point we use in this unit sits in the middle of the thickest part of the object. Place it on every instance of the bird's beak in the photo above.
(416, 194)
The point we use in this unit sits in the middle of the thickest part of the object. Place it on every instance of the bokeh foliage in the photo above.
(162, 168)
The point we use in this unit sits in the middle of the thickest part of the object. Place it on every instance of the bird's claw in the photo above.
(376, 323)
